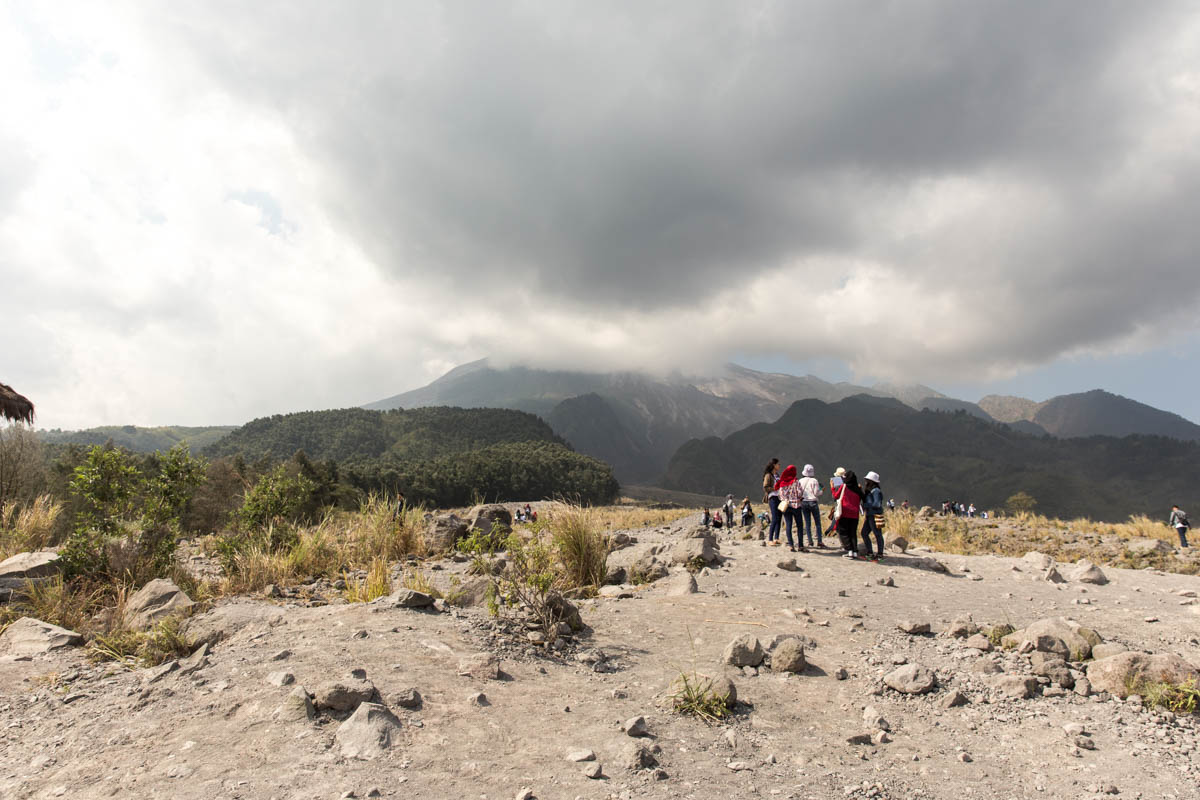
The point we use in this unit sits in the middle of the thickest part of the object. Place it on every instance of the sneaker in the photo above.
(849, 555)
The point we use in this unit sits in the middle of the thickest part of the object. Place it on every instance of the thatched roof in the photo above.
(13, 406)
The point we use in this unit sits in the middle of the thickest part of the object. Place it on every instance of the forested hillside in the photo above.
(137, 439)
(929, 456)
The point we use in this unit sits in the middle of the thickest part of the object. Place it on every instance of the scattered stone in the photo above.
(911, 679)
(32, 637)
(840, 674)
(743, 651)
(156, 674)
(888, 581)
(739, 766)
(1052, 575)
(593, 771)
(635, 726)
(962, 627)
(1079, 640)
(1107, 649)
(615, 576)
(899, 543)
(1021, 687)
(525, 794)
(1142, 546)
(874, 720)
(1040, 561)
(197, 661)
(408, 697)
(722, 686)
(913, 628)
(581, 755)
(368, 732)
(297, 706)
(410, 598)
(478, 699)
(16, 570)
(1085, 571)
(481, 666)
(637, 756)
(684, 584)
(978, 642)
(848, 613)
(788, 656)
(965, 758)
(954, 700)
(788, 565)
(688, 551)
(343, 695)
(281, 678)
(859, 738)
(649, 568)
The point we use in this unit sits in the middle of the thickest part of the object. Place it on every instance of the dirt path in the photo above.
(74, 729)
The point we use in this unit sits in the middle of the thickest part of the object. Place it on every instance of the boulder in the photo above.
(154, 602)
(296, 707)
(744, 651)
(619, 541)
(1140, 546)
(410, 598)
(696, 549)
(344, 695)
(1124, 673)
(961, 627)
(723, 687)
(1107, 649)
(788, 656)
(683, 584)
(1052, 575)
(912, 627)
(637, 756)
(22, 567)
(1049, 643)
(368, 733)
(1040, 561)
(471, 593)
(442, 531)
(648, 569)
(32, 637)
(911, 679)
(788, 565)
(927, 563)
(615, 576)
(899, 544)
(979, 642)
(491, 518)
(1079, 640)
(1085, 571)
(481, 666)
(1021, 687)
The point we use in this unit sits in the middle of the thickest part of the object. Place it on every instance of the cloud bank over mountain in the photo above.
(323, 202)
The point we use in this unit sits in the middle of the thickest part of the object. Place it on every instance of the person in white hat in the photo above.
(872, 506)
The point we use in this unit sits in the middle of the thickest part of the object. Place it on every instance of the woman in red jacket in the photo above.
(848, 499)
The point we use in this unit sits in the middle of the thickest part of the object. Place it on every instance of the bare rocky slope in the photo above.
(409, 704)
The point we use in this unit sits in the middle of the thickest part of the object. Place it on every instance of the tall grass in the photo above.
(28, 528)
(580, 545)
(378, 583)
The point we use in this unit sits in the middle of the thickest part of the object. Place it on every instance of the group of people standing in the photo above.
(795, 499)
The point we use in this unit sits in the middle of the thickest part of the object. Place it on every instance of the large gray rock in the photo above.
(1139, 547)
(1021, 687)
(491, 518)
(410, 598)
(1085, 571)
(344, 695)
(154, 602)
(788, 656)
(1125, 673)
(442, 531)
(296, 707)
(695, 549)
(1040, 561)
(481, 666)
(25, 566)
(744, 651)
(32, 637)
(1079, 640)
(682, 584)
(369, 732)
(911, 679)
(648, 568)
(899, 544)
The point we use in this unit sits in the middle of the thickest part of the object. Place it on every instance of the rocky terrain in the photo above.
(924, 676)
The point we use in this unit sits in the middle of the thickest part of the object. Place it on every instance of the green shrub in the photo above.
(275, 498)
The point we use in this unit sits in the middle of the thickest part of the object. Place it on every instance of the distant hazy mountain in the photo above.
(139, 440)
(631, 420)
(928, 457)
(914, 395)
(949, 404)
(1102, 413)
(1006, 408)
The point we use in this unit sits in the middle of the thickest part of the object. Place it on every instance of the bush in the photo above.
(1179, 698)
(533, 581)
(161, 643)
(276, 498)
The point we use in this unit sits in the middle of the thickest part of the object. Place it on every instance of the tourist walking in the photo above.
(1179, 522)
(771, 498)
(728, 509)
(810, 510)
(848, 497)
(872, 507)
(790, 494)
(747, 512)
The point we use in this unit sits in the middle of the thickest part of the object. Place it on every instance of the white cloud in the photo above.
(210, 212)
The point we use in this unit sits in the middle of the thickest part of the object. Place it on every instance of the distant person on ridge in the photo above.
(872, 507)
(747, 512)
(846, 512)
(1179, 522)
(791, 493)
(771, 498)
(810, 510)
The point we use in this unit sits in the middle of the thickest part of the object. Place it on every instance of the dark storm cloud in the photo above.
(650, 154)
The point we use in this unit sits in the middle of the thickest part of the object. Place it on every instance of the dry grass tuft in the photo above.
(581, 546)
(378, 583)
(28, 528)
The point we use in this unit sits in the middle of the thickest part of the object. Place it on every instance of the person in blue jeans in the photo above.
(872, 506)
(790, 492)
(810, 511)
(771, 498)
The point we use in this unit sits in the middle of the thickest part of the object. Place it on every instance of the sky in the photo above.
(213, 211)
